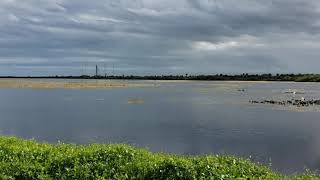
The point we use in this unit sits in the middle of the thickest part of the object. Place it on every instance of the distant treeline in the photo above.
(216, 77)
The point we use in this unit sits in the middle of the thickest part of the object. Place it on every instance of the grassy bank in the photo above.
(27, 159)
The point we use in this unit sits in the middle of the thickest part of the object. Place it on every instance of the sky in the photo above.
(155, 37)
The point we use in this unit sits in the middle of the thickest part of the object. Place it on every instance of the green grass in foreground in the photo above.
(27, 159)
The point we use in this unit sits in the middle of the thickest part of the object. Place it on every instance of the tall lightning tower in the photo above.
(96, 70)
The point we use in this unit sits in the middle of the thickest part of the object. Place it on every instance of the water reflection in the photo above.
(173, 117)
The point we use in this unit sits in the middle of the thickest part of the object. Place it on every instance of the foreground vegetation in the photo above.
(27, 159)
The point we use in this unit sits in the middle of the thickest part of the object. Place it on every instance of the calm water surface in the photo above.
(190, 118)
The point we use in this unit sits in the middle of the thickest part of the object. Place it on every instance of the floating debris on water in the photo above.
(292, 102)
(241, 90)
(135, 101)
(294, 92)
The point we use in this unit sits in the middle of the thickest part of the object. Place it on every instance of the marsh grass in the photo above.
(27, 159)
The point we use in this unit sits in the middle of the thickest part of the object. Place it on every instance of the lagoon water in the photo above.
(187, 117)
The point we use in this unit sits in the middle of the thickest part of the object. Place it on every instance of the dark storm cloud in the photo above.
(146, 36)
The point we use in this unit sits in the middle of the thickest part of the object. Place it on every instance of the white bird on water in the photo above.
(302, 98)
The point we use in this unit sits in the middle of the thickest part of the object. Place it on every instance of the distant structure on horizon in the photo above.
(96, 70)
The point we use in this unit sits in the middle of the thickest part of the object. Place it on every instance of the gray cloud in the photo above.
(159, 37)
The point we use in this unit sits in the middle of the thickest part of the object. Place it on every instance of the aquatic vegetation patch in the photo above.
(27, 159)
(68, 84)
(135, 101)
(294, 102)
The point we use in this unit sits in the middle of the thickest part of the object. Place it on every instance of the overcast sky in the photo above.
(64, 37)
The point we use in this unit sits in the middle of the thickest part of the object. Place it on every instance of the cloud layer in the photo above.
(159, 37)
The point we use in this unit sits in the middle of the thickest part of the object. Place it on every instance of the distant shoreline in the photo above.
(216, 77)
